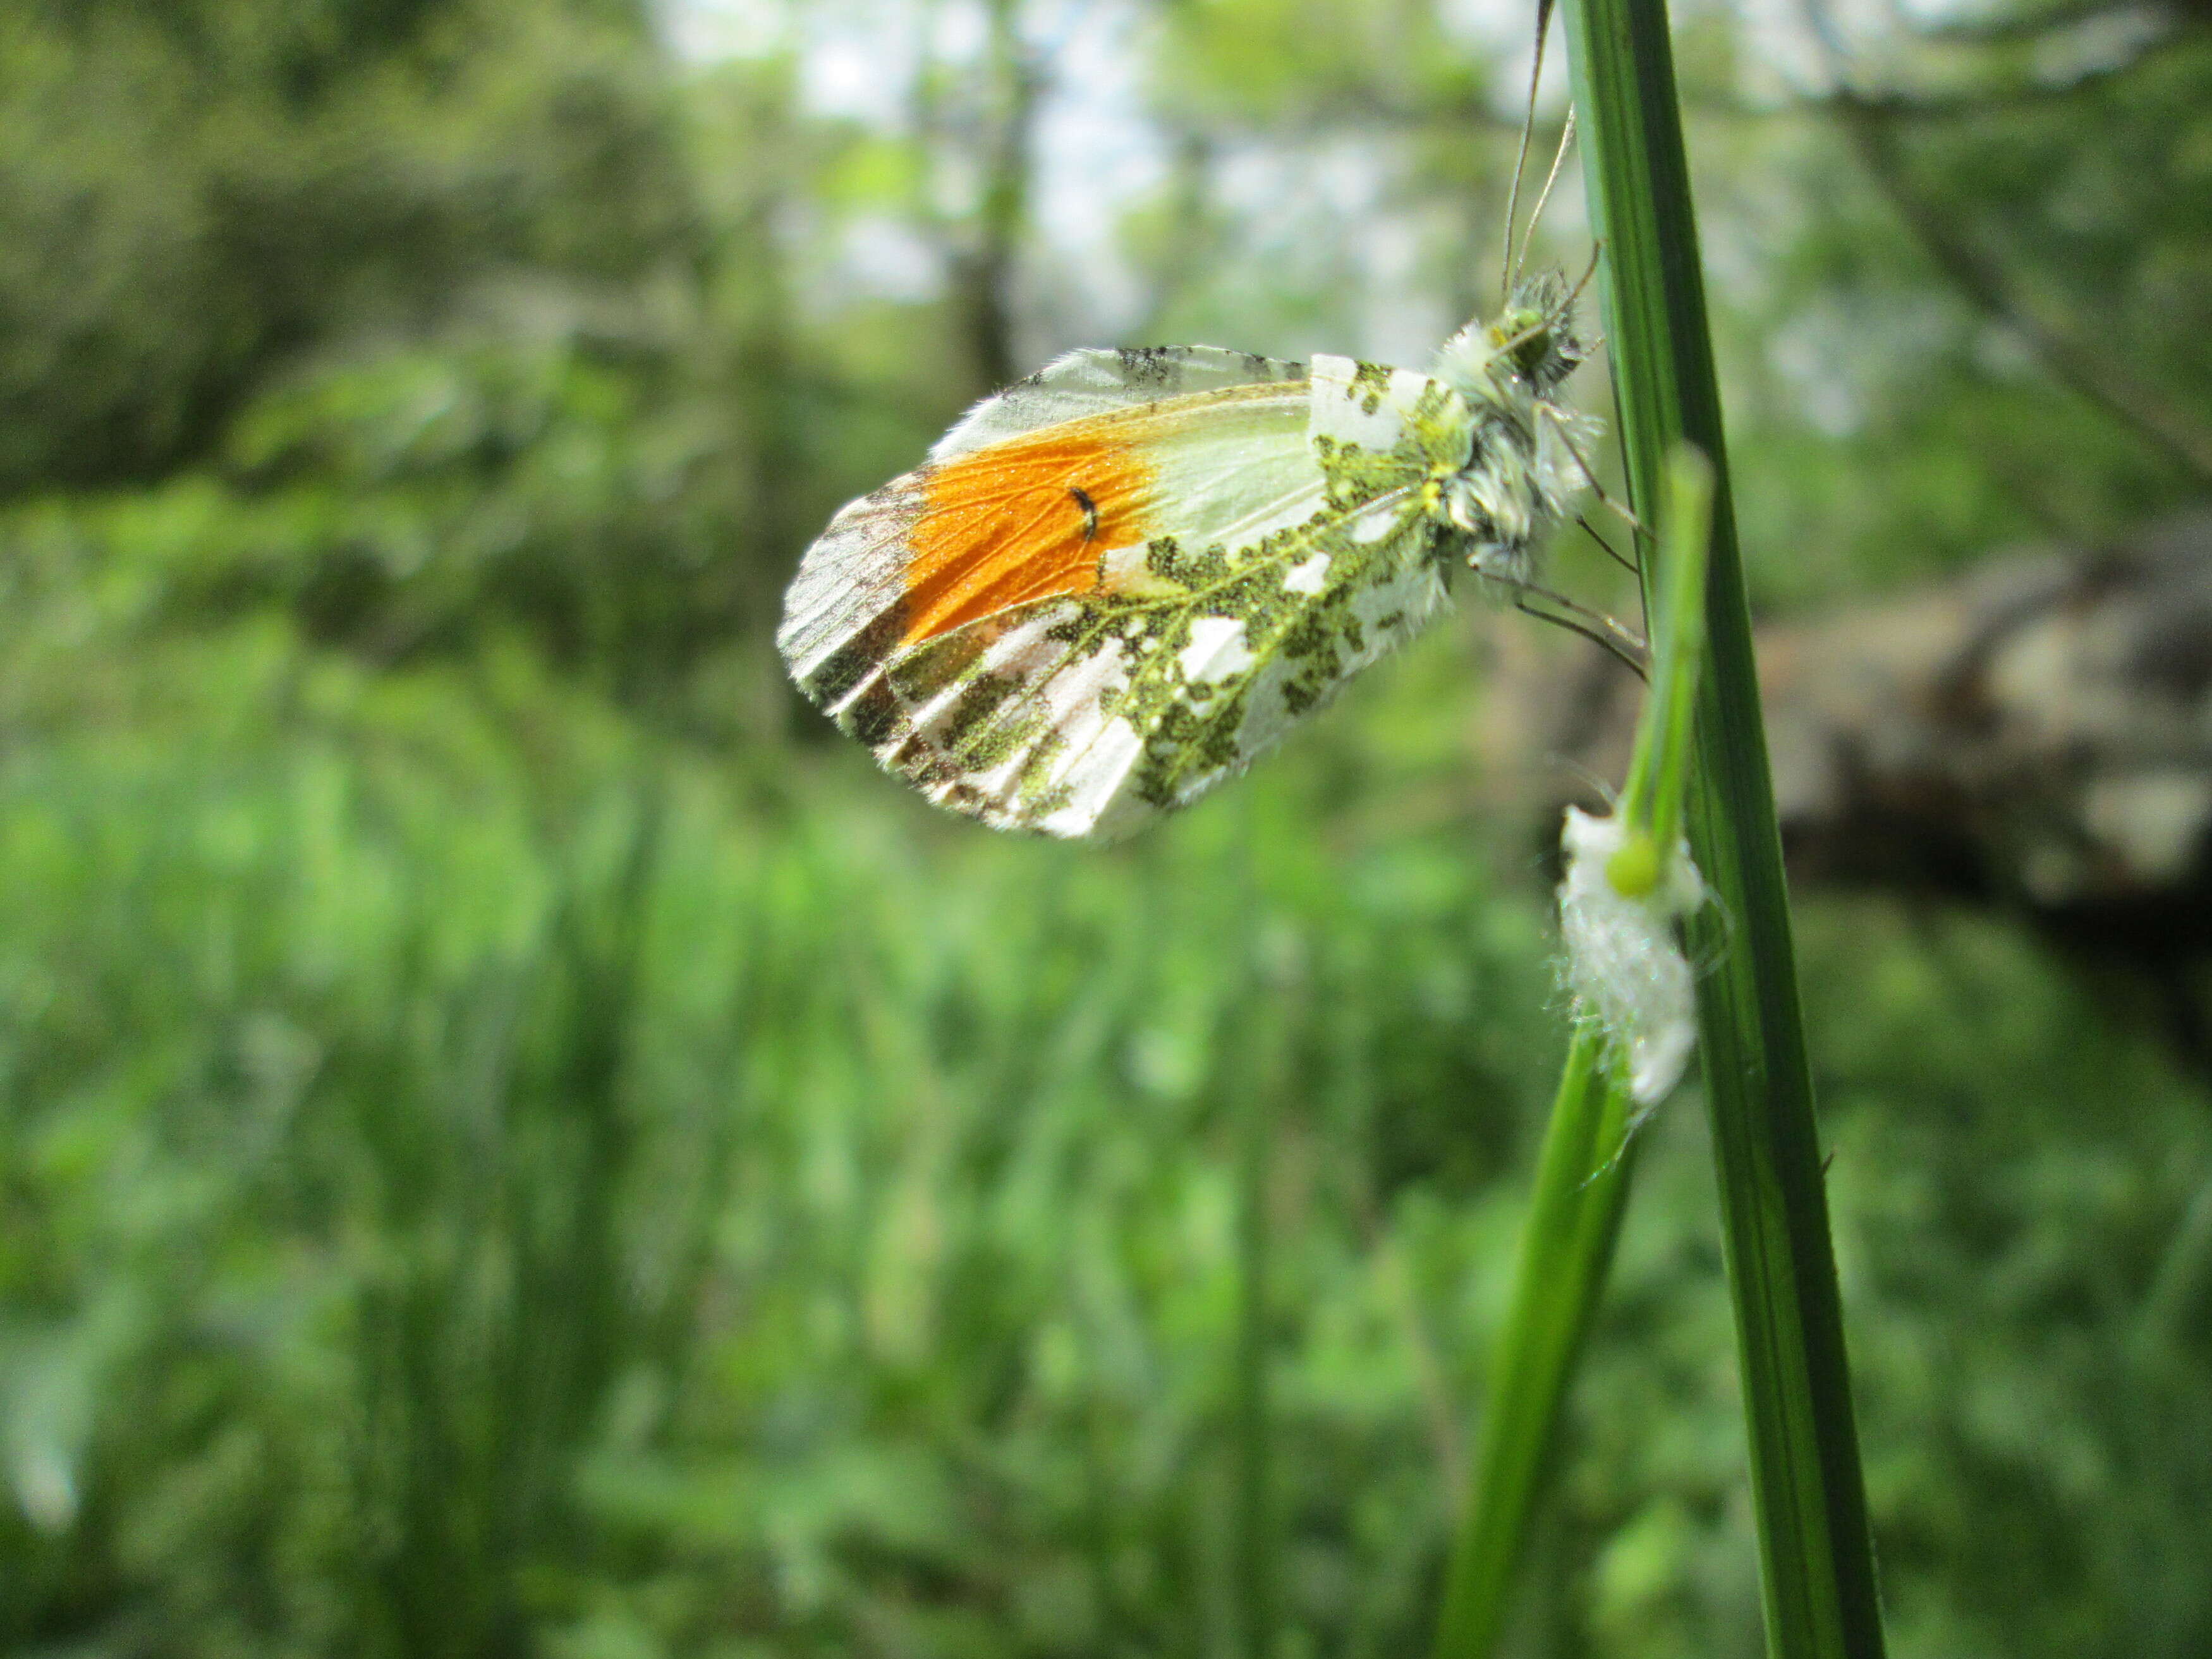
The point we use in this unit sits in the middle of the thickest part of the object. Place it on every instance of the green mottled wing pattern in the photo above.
(1088, 715)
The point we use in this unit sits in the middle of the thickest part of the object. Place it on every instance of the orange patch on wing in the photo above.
(1022, 520)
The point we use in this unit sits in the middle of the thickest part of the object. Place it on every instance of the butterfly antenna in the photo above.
(1536, 215)
(1521, 158)
(1597, 249)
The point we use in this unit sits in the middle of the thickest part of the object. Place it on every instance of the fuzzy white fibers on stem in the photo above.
(1624, 968)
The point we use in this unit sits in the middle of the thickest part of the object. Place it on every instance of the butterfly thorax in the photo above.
(1520, 473)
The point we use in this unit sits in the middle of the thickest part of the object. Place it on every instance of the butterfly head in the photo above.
(1529, 347)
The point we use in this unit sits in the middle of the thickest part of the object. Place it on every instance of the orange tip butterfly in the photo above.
(1118, 582)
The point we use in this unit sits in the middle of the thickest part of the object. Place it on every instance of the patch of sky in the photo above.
(1098, 155)
(1323, 217)
(709, 31)
(1336, 252)
(2102, 41)
(1501, 30)
(1810, 353)
(1842, 360)
(882, 257)
(1780, 63)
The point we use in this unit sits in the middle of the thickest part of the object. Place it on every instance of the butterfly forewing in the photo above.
(1098, 382)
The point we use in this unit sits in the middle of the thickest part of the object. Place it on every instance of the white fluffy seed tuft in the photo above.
(1624, 968)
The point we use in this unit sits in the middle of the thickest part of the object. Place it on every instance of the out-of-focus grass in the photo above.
(472, 1175)
(461, 1148)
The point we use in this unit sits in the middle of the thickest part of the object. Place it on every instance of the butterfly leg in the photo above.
(1589, 476)
(1632, 567)
(1624, 642)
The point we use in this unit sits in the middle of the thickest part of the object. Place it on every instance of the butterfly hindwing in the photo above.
(1079, 665)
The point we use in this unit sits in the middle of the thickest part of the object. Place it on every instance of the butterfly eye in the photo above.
(1525, 335)
(1509, 329)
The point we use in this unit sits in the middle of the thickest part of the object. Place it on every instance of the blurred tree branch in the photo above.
(2033, 734)
(1870, 121)
(2034, 25)
(1890, 104)
(1978, 277)
(983, 255)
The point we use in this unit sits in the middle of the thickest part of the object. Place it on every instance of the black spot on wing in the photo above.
(875, 716)
(1150, 366)
(859, 657)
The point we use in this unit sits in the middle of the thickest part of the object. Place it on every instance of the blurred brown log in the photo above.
(2038, 733)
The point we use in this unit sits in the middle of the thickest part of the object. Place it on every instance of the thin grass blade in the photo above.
(1816, 1555)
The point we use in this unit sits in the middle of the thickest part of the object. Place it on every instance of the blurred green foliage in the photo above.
(505, 1147)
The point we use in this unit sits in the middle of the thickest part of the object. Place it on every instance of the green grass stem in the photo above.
(1566, 1244)
(1816, 1555)
(1582, 1171)
(1659, 767)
